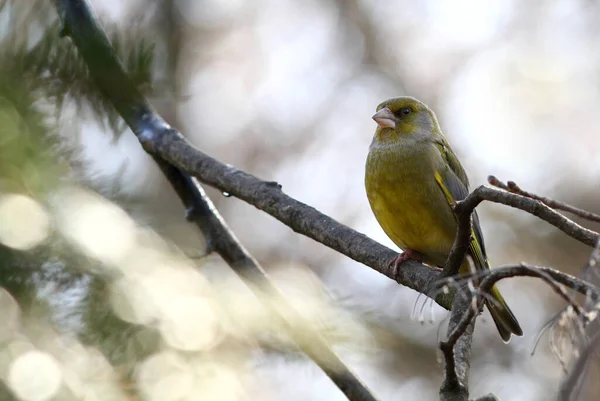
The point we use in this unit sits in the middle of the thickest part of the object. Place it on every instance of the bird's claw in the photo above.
(409, 254)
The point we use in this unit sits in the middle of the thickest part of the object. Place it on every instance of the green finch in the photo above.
(412, 177)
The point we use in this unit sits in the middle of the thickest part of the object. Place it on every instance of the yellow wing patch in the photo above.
(447, 194)
(474, 247)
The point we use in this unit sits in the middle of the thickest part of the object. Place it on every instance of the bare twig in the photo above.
(457, 347)
(80, 24)
(460, 247)
(593, 262)
(465, 208)
(489, 278)
(533, 207)
(512, 186)
(547, 274)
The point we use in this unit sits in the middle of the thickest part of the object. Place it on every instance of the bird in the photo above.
(412, 179)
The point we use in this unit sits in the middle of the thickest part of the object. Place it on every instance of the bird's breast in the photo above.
(407, 201)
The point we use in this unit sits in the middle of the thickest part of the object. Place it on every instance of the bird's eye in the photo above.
(406, 111)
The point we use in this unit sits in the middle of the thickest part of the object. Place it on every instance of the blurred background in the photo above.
(108, 292)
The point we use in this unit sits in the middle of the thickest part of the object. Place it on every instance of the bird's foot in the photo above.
(409, 254)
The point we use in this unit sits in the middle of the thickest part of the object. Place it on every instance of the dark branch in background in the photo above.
(512, 186)
(80, 24)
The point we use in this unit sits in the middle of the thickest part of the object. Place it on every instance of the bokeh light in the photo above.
(102, 229)
(165, 376)
(35, 376)
(189, 323)
(24, 223)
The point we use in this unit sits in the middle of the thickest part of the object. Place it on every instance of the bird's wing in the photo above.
(455, 185)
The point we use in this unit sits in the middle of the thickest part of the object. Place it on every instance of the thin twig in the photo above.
(593, 264)
(512, 186)
(460, 247)
(531, 206)
(491, 277)
(548, 274)
(457, 347)
(81, 25)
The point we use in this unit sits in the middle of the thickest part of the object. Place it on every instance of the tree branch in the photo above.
(593, 262)
(460, 247)
(531, 206)
(80, 24)
(489, 278)
(457, 347)
(534, 205)
(512, 186)
(548, 274)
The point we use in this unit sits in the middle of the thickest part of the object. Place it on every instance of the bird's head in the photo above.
(404, 117)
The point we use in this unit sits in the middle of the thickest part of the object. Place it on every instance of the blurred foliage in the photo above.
(41, 74)
(63, 75)
(41, 70)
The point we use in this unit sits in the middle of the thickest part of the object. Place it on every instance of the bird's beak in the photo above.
(385, 118)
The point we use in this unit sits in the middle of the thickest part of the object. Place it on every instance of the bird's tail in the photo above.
(506, 322)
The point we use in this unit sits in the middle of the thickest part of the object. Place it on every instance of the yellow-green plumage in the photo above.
(411, 177)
